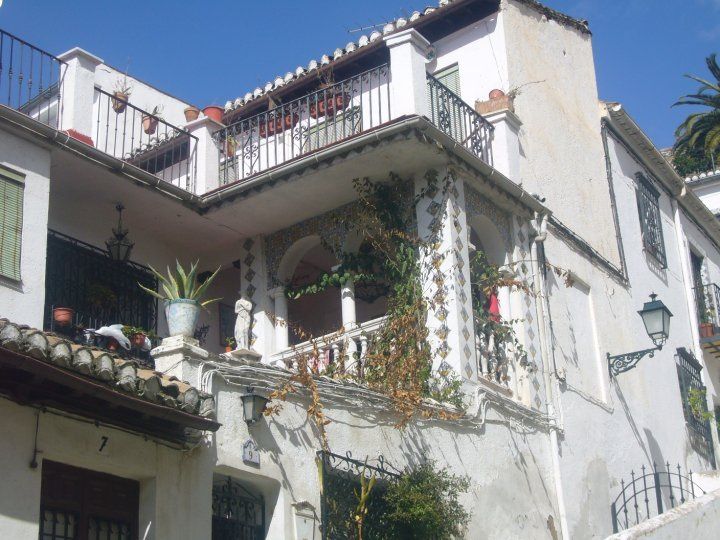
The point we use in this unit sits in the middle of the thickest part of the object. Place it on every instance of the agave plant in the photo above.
(701, 131)
(182, 285)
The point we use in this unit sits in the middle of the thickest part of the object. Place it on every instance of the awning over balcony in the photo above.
(42, 369)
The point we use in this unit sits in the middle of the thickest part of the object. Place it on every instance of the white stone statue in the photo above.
(243, 308)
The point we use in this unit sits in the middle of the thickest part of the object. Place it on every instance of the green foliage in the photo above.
(688, 162)
(182, 285)
(424, 503)
(700, 132)
(697, 401)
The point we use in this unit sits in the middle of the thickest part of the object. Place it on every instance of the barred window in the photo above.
(692, 388)
(11, 219)
(650, 224)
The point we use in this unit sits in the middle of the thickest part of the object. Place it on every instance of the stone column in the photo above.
(408, 76)
(77, 91)
(204, 154)
(281, 315)
(347, 299)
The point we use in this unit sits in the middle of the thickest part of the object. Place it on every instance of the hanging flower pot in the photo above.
(150, 124)
(191, 113)
(112, 344)
(119, 102)
(336, 102)
(63, 316)
(214, 112)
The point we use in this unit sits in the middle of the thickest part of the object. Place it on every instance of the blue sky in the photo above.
(211, 51)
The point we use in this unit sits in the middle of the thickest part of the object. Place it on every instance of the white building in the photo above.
(497, 100)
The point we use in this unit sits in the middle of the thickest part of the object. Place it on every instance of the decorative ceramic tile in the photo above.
(248, 244)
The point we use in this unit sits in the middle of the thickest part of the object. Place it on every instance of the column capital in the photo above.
(277, 292)
(410, 36)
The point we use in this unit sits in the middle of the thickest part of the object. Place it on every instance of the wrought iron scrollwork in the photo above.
(625, 362)
(237, 513)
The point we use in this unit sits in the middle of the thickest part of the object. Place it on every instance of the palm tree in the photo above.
(700, 132)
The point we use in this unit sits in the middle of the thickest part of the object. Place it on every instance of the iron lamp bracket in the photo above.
(625, 362)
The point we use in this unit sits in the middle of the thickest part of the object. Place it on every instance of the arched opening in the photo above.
(313, 314)
(491, 301)
(371, 296)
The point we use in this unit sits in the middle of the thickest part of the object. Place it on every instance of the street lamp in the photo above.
(656, 318)
(253, 405)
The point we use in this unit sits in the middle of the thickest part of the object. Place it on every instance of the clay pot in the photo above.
(214, 112)
(112, 344)
(150, 124)
(138, 340)
(63, 316)
(191, 113)
(228, 349)
(707, 330)
(119, 102)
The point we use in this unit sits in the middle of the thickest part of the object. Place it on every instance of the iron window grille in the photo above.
(689, 378)
(650, 223)
(238, 514)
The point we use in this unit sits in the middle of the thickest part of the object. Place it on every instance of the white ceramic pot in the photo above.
(182, 316)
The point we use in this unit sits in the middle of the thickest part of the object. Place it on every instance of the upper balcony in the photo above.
(147, 129)
(707, 301)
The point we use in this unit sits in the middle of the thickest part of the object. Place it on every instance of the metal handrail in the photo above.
(30, 79)
(304, 125)
(132, 134)
(459, 120)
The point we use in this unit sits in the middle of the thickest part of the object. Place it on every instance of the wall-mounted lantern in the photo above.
(656, 318)
(253, 405)
(119, 245)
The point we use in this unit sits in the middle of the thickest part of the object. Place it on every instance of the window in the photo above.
(450, 78)
(691, 385)
(79, 503)
(11, 217)
(238, 513)
(650, 224)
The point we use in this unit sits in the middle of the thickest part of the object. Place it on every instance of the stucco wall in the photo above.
(23, 301)
(550, 65)
(175, 486)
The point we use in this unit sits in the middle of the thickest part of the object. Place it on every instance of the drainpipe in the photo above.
(540, 234)
(690, 305)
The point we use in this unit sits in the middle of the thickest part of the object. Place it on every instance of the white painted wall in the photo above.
(175, 486)
(22, 302)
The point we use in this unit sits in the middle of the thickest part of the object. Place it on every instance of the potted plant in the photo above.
(191, 113)
(121, 95)
(101, 298)
(63, 316)
(183, 296)
(150, 120)
(229, 344)
(214, 112)
(707, 328)
(136, 335)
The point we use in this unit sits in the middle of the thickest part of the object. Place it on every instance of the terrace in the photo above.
(69, 94)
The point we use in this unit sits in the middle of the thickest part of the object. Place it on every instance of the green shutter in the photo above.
(11, 214)
(450, 78)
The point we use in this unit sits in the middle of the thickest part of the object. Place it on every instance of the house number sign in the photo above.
(250, 452)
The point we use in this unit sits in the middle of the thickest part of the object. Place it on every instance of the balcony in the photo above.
(71, 93)
(707, 300)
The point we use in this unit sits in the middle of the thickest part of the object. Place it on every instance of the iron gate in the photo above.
(238, 514)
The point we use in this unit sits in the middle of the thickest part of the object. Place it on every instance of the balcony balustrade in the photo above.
(56, 91)
(145, 140)
(707, 302)
(340, 352)
(30, 79)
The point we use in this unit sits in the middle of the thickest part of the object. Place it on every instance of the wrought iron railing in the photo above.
(458, 120)
(83, 278)
(651, 493)
(304, 125)
(145, 140)
(237, 512)
(690, 380)
(341, 480)
(707, 301)
(30, 79)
